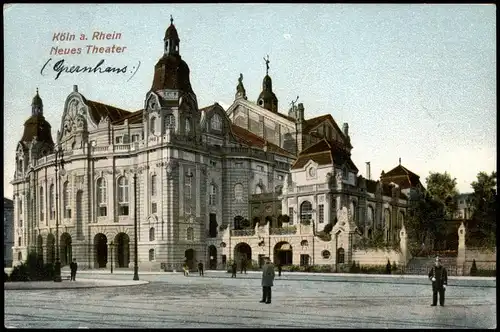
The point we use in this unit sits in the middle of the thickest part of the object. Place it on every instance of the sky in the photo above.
(413, 81)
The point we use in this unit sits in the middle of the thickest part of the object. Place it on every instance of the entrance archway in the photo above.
(122, 245)
(189, 255)
(65, 251)
(283, 253)
(100, 250)
(212, 255)
(242, 251)
(51, 251)
(39, 247)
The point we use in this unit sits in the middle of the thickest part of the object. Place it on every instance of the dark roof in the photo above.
(324, 153)
(171, 72)
(371, 187)
(99, 111)
(135, 117)
(8, 203)
(171, 32)
(310, 124)
(401, 176)
(248, 138)
(37, 126)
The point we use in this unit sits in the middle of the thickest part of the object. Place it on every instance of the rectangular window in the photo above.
(153, 185)
(290, 214)
(67, 213)
(126, 139)
(136, 138)
(213, 163)
(153, 208)
(280, 177)
(238, 164)
(123, 210)
(321, 213)
(260, 168)
(119, 139)
(102, 211)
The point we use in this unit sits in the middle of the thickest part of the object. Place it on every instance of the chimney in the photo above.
(75, 88)
(300, 108)
(368, 171)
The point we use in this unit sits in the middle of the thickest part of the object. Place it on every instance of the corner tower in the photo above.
(267, 99)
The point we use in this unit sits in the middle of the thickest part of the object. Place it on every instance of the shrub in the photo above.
(486, 273)
(20, 273)
(5, 276)
(353, 268)
(473, 269)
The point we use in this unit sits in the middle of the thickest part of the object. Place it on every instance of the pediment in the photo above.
(76, 117)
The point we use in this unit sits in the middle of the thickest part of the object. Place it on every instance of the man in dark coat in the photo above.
(280, 267)
(73, 267)
(439, 278)
(200, 268)
(267, 281)
(234, 267)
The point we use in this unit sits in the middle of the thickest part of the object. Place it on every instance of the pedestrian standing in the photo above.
(200, 268)
(439, 277)
(234, 267)
(73, 267)
(267, 281)
(280, 267)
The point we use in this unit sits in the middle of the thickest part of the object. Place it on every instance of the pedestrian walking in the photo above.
(73, 267)
(234, 268)
(267, 281)
(280, 267)
(200, 268)
(186, 270)
(439, 277)
(243, 266)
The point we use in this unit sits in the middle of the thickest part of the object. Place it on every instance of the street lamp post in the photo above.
(136, 267)
(59, 162)
(111, 245)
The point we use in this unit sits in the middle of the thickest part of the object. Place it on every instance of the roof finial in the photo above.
(267, 64)
(171, 20)
(37, 90)
(400, 161)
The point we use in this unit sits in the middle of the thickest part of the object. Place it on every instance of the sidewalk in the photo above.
(66, 284)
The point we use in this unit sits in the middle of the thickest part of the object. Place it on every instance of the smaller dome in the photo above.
(37, 101)
(171, 32)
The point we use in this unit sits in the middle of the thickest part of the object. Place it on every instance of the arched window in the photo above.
(216, 122)
(238, 192)
(66, 200)
(41, 203)
(401, 219)
(152, 125)
(305, 212)
(51, 202)
(370, 215)
(169, 122)
(101, 197)
(258, 190)
(340, 256)
(153, 185)
(151, 255)
(123, 196)
(213, 195)
(152, 234)
(190, 234)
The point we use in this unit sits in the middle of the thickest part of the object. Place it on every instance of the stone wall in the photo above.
(377, 257)
(485, 259)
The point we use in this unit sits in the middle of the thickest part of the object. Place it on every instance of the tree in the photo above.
(442, 188)
(484, 208)
(425, 220)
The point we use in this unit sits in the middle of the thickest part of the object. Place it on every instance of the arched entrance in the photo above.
(51, 251)
(189, 255)
(242, 251)
(122, 245)
(100, 250)
(39, 247)
(65, 251)
(212, 255)
(283, 253)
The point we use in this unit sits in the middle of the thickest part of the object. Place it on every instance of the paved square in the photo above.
(174, 301)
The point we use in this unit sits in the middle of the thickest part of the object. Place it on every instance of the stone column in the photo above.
(461, 251)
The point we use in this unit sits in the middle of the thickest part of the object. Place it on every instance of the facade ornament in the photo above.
(338, 178)
(267, 64)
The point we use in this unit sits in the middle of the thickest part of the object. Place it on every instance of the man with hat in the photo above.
(267, 280)
(439, 278)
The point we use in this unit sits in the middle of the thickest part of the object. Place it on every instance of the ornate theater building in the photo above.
(203, 184)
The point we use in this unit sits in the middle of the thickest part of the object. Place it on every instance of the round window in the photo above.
(312, 172)
(223, 244)
(325, 254)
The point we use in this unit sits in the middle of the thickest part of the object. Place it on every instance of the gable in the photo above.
(324, 126)
(214, 120)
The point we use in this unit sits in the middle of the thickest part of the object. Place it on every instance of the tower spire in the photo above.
(171, 20)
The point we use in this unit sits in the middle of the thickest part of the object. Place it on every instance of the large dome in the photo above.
(37, 126)
(171, 72)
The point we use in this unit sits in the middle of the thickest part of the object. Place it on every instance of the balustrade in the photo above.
(283, 231)
(243, 232)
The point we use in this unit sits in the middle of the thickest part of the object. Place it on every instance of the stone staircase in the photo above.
(422, 265)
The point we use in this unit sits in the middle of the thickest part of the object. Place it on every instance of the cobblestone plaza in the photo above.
(218, 301)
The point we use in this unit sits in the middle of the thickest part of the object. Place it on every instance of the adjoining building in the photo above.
(8, 231)
(201, 182)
